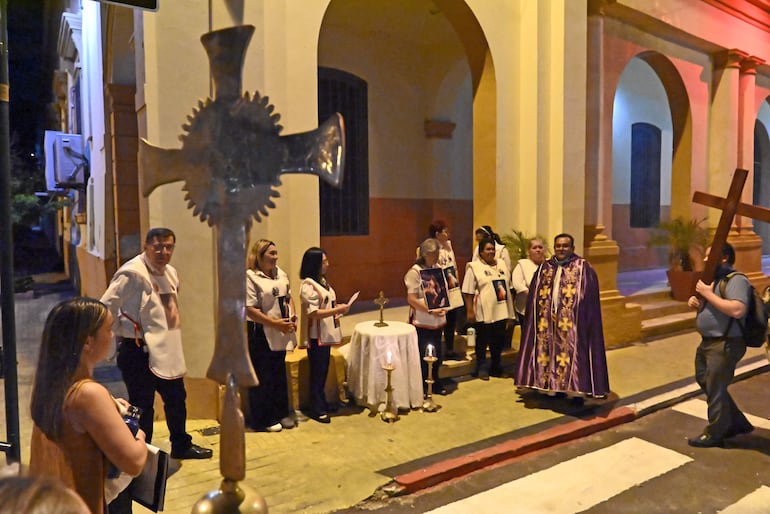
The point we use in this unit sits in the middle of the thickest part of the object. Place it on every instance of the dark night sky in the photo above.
(29, 93)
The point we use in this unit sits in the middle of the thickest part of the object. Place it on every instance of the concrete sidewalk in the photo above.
(318, 468)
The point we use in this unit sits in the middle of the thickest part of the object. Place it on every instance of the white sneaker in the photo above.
(274, 428)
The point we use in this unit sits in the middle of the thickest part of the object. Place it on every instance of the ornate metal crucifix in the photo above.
(730, 206)
(232, 156)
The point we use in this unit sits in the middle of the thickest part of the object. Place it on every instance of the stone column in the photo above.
(748, 244)
(622, 321)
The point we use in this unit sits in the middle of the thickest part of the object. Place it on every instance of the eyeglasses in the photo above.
(158, 248)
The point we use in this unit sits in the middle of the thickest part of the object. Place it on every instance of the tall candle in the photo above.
(430, 351)
(390, 357)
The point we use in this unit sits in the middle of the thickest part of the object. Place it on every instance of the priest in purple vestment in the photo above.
(562, 344)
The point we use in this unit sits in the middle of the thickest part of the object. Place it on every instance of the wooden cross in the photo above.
(730, 206)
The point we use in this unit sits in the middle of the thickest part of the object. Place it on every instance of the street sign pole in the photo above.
(8, 349)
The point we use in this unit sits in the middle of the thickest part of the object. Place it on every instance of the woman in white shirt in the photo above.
(501, 251)
(486, 291)
(446, 260)
(321, 315)
(522, 274)
(272, 326)
(428, 301)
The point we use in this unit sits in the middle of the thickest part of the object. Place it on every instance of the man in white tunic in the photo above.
(142, 297)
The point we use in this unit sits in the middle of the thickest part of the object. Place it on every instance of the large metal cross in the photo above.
(231, 157)
(730, 207)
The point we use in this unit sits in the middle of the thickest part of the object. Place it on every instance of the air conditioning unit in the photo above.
(65, 164)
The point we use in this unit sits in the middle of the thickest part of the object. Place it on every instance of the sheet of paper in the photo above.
(353, 298)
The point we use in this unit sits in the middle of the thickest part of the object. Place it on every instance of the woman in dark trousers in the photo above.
(272, 327)
(321, 325)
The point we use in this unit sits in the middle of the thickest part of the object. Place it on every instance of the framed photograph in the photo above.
(453, 287)
(434, 288)
(500, 290)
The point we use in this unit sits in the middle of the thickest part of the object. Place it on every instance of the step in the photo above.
(663, 308)
(657, 296)
(667, 325)
(458, 368)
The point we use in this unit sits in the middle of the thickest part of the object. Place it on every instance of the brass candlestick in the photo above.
(389, 415)
(381, 301)
(428, 405)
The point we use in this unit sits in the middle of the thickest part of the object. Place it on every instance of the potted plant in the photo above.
(683, 237)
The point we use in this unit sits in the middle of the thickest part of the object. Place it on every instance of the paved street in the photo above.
(645, 466)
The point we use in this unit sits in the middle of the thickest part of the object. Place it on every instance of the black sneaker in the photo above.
(704, 441)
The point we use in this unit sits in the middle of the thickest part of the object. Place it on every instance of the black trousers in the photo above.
(318, 357)
(715, 362)
(142, 384)
(492, 336)
(426, 336)
(269, 401)
(449, 330)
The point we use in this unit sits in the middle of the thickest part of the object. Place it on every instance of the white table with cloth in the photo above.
(368, 353)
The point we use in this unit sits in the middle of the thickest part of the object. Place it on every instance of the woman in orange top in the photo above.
(78, 431)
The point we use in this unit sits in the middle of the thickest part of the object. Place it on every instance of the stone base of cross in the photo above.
(730, 207)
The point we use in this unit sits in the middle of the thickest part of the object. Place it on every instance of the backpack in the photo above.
(754, 324)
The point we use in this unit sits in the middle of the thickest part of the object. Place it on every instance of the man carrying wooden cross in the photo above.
(722, 345)
(721, 348)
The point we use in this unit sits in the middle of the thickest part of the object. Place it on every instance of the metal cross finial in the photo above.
(232, 156)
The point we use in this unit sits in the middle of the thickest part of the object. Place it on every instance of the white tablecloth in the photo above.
(369, 346)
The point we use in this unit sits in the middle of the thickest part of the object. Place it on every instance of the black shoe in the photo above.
(322, 418)
(704, 441)
(484, 376)
(742, 429)
(193, 452)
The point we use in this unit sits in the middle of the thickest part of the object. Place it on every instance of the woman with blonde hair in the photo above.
(272, 326)
(78, 432)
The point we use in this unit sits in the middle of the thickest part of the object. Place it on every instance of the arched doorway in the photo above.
(650, 94)
(422, 63)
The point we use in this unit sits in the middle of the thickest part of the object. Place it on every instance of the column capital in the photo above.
(749, 65)
(730, 58)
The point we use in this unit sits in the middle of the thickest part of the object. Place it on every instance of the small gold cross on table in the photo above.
(381, 301)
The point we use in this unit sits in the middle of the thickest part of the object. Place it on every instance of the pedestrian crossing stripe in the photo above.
(584, 481)
(699, 409)
(754, 503)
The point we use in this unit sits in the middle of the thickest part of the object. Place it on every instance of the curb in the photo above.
(448, 469)
(453, 468)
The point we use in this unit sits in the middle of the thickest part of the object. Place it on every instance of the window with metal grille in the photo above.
(645, 175)
(345, 211)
